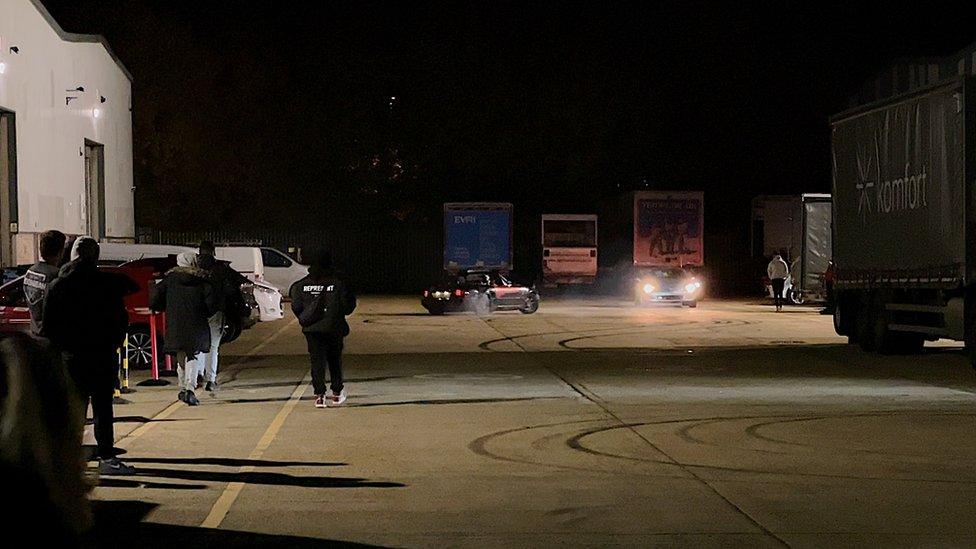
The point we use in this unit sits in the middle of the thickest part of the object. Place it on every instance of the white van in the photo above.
(267, 296)
(265, 264)
(113, 251)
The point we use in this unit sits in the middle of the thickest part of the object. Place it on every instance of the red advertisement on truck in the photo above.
(668, 229)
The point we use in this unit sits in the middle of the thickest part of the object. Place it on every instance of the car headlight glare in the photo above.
(692, 287)
(648, 288)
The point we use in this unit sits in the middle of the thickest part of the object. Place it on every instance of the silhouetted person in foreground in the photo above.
(187, 296)
(41, 460)
(321, 301)
(41, 275)
(85, 318)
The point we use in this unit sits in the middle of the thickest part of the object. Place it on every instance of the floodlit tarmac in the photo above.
(590, 423)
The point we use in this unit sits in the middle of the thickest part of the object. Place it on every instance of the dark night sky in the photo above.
(285, 104)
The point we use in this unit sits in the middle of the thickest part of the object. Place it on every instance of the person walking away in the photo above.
(227, 289)
(828, 278)
(187, 297)
(321, 301)
(86, 320)
(778, 271)
(40, 276)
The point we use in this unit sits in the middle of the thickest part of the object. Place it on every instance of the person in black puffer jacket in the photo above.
(321, 301)
(230, 304)
(187, 296)
(86, 320)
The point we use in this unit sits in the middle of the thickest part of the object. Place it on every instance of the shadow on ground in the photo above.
(119, 524)
(257, 477)
(234, 462)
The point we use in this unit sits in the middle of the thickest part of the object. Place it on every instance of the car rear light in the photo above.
(459, 292)
(426, 293)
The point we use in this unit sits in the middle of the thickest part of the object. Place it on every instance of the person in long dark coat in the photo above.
(86, 320)
(187, 296)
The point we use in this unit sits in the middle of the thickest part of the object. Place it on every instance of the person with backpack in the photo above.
(229, 300)
(187, 296)
(321, 301)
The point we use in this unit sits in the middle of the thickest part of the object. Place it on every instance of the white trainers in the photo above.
(334, 400)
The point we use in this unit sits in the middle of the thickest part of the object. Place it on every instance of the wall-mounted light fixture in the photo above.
(3, 67)
(14, 49)
(70, 98)
(101, 99)
(96, 112)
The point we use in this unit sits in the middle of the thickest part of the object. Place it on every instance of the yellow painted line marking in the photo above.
(229, 496)
(172, 408)
(141, 430)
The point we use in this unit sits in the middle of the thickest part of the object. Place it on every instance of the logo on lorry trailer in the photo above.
(897, 195)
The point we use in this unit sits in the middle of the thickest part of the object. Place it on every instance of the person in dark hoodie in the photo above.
(187, 296)
(41, 275)
(85, 318)
(227, 287)
(321, 301)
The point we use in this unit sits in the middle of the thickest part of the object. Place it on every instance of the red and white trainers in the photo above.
(334, 400)
(320, 401)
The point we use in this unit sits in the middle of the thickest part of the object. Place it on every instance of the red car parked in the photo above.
(15, 316)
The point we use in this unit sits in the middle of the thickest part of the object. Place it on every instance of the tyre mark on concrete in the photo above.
(565, 343)
(593, 398)
(486, 345)
(753, 431)
(577, 443)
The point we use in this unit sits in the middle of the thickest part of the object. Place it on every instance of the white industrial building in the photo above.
(65, 134)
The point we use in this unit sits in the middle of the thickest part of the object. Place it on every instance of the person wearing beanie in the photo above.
(86, 320)
(187, 296)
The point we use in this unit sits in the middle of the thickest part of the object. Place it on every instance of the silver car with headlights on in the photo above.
(668, 285)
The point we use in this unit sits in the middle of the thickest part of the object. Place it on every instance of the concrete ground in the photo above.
(590, 423)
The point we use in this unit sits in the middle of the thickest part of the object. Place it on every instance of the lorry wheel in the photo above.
(884, 339)
(839, 327)
(864, 328)
(908, 344)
